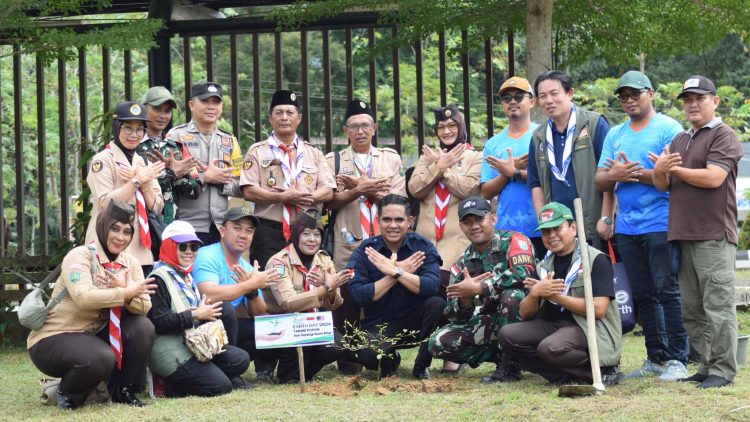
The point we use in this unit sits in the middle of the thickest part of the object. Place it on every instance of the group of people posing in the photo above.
(472, 256)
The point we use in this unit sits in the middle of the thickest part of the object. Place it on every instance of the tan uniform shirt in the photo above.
(462, 181)
(263, 167)
(213, 201)
(85, 308)
(106, 183)
(386, 163)
(288, 294)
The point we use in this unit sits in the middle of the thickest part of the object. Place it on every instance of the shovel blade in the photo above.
(579, 390)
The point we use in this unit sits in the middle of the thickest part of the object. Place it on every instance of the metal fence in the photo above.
(41, 187)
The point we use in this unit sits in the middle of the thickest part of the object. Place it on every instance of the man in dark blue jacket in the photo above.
(396, 281)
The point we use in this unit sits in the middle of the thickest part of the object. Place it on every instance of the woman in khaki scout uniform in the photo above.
(309, 283)
(88, 337)
(119, 173)
(441, 179)
(283, 175)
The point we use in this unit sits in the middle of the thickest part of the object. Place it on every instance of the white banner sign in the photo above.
(293, 330)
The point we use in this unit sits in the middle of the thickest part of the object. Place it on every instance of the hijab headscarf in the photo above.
(175, 233)
(451, 113)
(304, 220)
(116, 212)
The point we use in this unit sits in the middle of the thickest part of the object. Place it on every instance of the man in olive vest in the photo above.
(564, 153)
(552, 338)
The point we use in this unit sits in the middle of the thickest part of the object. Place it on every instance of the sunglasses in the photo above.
(634, 95)
(193, 246)
(507, 98)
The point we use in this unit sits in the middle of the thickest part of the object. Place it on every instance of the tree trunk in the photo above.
(538, 41)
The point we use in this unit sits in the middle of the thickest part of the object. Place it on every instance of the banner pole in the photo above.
(301, 364)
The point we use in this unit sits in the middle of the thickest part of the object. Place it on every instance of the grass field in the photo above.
(445, 399)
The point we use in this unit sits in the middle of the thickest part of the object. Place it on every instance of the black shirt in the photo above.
(601, 284)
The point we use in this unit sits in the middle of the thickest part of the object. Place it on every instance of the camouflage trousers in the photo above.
(475, 341)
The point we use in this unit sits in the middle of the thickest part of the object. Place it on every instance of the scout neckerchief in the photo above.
(575, 267)
(301, 268)
(368, 209)
(290, 169)
(115, 312)
(189, 288)
(442, 199)
(567, 150)
(140, 202)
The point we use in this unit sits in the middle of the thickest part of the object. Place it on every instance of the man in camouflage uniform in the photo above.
(180, 174)
(493, 267)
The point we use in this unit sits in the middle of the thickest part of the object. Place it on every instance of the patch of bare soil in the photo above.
(353, 386)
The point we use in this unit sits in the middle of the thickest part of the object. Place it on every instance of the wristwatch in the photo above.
(517, 175)
(135, 182)
(399, 273)
(329, 289)
(607, 220)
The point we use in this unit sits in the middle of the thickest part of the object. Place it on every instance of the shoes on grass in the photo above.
(674, 371)
(698, 377)
(714, 381)
(649, 369)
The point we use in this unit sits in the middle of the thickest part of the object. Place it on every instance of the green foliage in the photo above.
(39, 35)
(357, 338)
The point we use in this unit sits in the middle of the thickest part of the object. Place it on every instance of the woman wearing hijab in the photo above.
(309, 282)
(119, 173)
(442, 178)
(98, 332)
(176, 290)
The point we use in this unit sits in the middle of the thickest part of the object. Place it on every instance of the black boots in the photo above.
(126, 395)
(64, 402)
(508, 370)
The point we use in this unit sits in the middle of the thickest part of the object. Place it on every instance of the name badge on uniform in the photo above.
(347, 171)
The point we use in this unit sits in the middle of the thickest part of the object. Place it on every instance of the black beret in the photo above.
(445, 113)
(355, 107)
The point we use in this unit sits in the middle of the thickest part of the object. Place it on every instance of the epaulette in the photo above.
(386, 149)
(323, 252)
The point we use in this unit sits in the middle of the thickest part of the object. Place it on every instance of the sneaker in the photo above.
(674, 371)
(649, 369)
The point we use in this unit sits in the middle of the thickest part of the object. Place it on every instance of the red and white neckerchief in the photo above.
(291, 170)
(442, 200)
(115, 314)
(368, 209)
(301, 268)
(140, 210)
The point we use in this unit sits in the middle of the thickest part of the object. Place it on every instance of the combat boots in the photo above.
(508, 370)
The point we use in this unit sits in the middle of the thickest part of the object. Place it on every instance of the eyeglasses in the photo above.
(443, 128)
(127, 130)
(356, 127)
(193, 246)
(507, 98)
(634, 95)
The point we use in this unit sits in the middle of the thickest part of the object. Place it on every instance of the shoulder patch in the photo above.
(280, 268)
(520, 251)
(75, 276)
(96, 166)
(247, 165)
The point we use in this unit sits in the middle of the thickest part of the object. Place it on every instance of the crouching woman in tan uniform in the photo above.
(309, 282)
(99, 331)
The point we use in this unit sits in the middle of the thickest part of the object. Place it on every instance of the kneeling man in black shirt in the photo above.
(552, 338)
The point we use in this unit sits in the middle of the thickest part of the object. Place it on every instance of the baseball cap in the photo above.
(238, 213)
(129, 110)
(180, 231)
(516, 83)
(698, 84)
(474, 205)
(205, 90)
(553, 214)
(158, 95)
(284, 97)
(634, 79)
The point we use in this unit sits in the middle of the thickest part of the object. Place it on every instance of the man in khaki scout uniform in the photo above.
(365, 174)
(220, 157)
(282, 175)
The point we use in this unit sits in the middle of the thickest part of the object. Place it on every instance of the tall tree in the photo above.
(618, 31)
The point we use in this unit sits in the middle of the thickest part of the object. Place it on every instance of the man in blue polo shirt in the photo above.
(505, 160)
(641, 226)
(222, 274)
(397, 282)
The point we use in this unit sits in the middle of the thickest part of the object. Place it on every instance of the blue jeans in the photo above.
(651, 263)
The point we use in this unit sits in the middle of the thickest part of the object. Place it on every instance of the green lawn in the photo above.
(403, 399)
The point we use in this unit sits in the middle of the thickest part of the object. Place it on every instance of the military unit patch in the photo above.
(96, 166)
